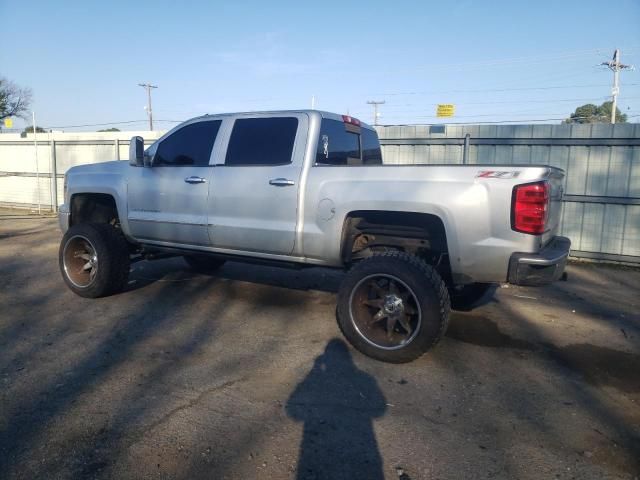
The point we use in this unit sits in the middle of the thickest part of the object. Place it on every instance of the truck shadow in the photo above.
(308, 278)
(144, 273)
(597, 365)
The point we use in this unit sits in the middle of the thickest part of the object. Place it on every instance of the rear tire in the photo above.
(203, 263)
(393, 307)
(94, 259)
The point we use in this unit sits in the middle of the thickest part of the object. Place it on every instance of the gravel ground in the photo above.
(244, 374)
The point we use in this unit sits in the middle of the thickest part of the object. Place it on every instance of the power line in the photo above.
(488, 122)
(95, 124)
(400, 107)
(529, 59)
(415, 112)
(518, 89)
(510, 61)
(126, 122)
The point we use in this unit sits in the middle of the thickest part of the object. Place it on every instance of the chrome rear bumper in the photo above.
(540, 268)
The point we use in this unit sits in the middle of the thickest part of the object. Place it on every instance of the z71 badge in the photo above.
(497, 174)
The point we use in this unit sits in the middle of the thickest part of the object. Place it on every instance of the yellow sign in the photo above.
(8, 123)
(446, 110)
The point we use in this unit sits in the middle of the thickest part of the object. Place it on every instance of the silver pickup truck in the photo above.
(309, 188)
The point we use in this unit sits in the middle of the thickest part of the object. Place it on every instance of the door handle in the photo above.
(281, 182)
(194, 179)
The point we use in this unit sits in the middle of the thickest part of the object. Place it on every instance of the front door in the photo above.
(253, 199)
(168, 202)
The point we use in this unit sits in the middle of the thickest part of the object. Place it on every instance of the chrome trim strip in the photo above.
(241, 253)
(165, 222)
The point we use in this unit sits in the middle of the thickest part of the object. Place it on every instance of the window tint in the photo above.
(262, 141)
(371, 154)
(336, 145)
(191, 145)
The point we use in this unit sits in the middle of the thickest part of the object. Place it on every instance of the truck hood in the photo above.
(101, 168)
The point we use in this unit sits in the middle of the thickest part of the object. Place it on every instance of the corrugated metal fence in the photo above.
(601, 212)
(25, 182)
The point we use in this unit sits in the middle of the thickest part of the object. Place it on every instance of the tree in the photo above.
(29, 129)
(112, 129)
(14, 100)
(590, 113)
(605, 108)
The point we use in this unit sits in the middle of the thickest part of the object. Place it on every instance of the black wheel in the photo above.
(203, 263)
(94, 259)
(393, 307)
(466, 297)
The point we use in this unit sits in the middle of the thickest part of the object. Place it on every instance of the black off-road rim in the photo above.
(385, 311)
(80, 261)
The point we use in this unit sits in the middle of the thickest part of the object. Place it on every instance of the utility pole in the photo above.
(35, 149)
(375, 109)
(615, 66)
(148, 87)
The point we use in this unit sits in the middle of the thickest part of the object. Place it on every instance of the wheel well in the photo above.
(93, 208)
(366, 232)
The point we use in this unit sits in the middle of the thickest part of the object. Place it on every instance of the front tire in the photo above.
(393, 307)
(94, 259)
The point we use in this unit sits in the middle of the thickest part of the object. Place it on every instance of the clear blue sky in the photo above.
(83, 60)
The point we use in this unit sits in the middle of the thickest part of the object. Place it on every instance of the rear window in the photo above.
(337, 146)
(371, 154)
(340, 145)
(262, 141)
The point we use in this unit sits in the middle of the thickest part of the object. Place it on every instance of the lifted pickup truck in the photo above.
(309, 188)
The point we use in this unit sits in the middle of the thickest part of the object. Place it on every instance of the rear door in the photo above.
(253, 197)
(168, 202)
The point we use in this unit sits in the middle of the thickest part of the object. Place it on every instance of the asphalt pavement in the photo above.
(244, 374)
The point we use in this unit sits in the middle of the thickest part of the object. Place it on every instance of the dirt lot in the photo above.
(245, 375)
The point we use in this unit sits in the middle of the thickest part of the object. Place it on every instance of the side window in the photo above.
(190, 145)
(336, 145)
(371, 154)
(262, 141)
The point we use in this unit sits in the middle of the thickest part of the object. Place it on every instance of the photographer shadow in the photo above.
(337, 403)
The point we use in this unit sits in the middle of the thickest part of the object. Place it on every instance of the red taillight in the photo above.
(350, 120)
(530, 207)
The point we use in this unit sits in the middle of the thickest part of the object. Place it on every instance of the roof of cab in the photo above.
(323, 114)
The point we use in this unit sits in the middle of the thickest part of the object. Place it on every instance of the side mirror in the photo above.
(136, 151)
